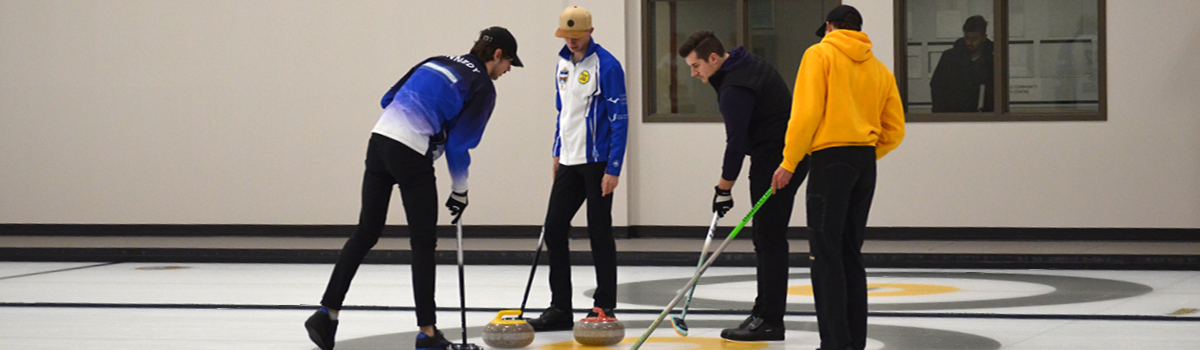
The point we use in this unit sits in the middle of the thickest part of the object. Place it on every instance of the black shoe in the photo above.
(321, 329)
(553, 319)
(436, 342)
(753, 329)
(607, 312)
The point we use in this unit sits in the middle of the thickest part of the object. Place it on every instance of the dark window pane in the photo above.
(674, 89)
(781, 41)
(949, 56)
(777, 31)
(1053, 56)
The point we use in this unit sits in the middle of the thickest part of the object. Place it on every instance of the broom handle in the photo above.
(699, 272)
(532, 271)
(703, 252)
(462, 289)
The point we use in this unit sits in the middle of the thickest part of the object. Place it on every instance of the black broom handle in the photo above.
(462, 289)
(532, 271)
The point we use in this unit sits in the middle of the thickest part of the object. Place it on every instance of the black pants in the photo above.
(391, 163)
(572, 185)
(770, 233)
(840, 190)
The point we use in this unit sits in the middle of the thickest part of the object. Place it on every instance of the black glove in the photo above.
(457, 203)
(722, 201)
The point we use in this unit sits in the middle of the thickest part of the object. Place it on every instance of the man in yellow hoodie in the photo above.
(846, 114)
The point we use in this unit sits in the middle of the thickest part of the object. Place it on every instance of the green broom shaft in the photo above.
(696, 277)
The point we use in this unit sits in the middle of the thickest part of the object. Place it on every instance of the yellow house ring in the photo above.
(672, 342)
(887, 289)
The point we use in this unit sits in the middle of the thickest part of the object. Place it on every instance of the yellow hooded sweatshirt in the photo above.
(844, 97)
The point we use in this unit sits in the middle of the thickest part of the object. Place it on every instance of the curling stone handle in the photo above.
(500, 315)
(600, 316)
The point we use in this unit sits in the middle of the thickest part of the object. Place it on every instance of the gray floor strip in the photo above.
(59, 270)
(622, 311)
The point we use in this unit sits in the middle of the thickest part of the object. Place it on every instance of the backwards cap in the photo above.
(838, 14)
(503, 39)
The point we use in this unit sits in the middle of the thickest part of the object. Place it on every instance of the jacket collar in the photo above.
(566, 53)
(738, 57)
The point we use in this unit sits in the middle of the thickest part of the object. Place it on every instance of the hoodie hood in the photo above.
(854, 44)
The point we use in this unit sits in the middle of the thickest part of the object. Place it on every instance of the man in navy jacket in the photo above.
(755, 104)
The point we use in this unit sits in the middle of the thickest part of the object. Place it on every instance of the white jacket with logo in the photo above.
(593, 119)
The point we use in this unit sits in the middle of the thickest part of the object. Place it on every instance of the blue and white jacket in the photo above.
(593, 118)
(441, 105)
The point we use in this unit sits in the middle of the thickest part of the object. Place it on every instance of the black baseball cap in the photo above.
(839, 15)
(505, 40)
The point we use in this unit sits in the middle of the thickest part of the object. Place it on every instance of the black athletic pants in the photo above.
(770, 233)
(572, 185)
(840, 189)
(391, 163)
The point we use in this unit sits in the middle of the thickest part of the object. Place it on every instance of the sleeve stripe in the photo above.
(445, 72)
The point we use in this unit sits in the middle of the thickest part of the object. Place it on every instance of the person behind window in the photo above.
(964, 70)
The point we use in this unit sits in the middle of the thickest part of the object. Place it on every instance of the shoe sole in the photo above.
(751, 341)
(316, 339)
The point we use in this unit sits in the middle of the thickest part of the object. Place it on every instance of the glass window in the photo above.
(950, 56)
(674, 90)
(778, 31)
(1053, 56)
(1001, 60)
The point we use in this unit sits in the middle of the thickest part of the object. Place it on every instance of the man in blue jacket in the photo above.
(440, 107)
(589, 146)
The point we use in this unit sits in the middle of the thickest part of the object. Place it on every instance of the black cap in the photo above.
(505, 40)
(839, 15)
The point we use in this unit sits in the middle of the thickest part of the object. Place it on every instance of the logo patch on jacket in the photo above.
(563, 74)
(584, 77)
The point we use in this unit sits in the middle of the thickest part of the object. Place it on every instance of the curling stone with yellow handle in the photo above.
(508, 333)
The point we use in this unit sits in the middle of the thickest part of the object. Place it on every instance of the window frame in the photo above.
(1002, 112)
(648, 60)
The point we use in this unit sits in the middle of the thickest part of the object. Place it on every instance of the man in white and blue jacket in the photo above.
(589, 148)
(440, 107)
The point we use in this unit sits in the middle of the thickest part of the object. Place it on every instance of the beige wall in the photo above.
(1138, 169)
(253, 112)
(233, 112)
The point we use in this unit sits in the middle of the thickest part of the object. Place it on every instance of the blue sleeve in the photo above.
(612, 85)
(737, 105)
(465, 134)
(391, 93)
(557, 138)
(387, 97)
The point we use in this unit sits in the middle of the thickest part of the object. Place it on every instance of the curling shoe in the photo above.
(321, 329)
(436, 342)
(753, 329)
(553, 319)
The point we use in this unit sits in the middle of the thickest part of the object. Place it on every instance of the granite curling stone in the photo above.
(600, 330)
(508, 332)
